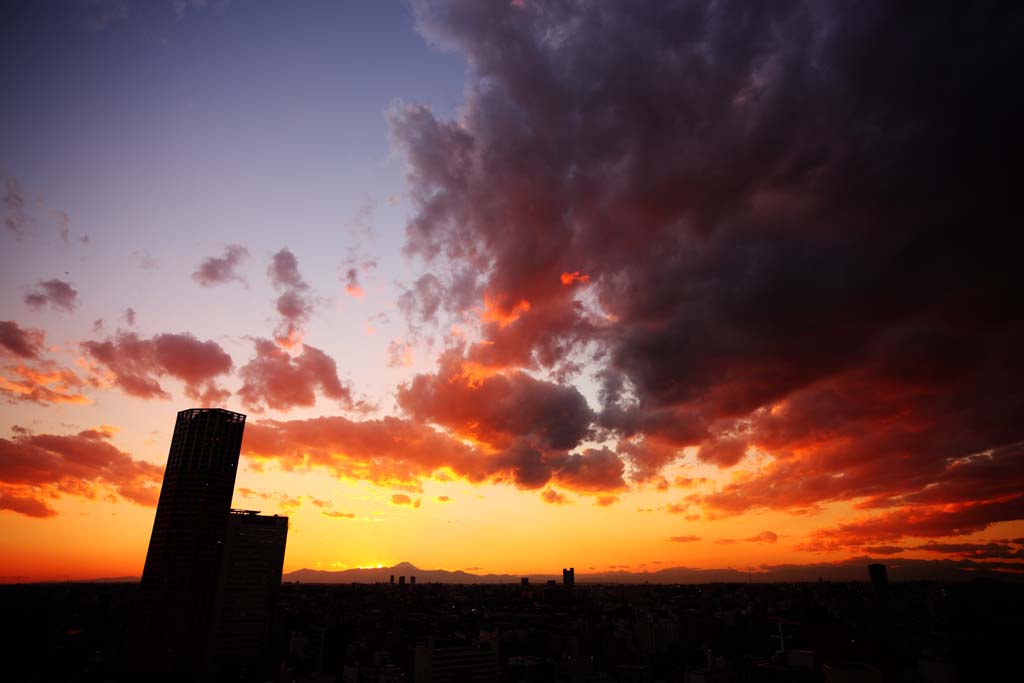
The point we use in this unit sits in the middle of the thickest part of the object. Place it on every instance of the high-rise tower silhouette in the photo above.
(250, 579)
(183, 565)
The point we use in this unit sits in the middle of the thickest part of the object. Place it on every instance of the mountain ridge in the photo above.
(854, 569)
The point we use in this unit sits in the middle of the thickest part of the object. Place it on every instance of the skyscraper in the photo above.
(250, 579)
(183, 564)
(880, 580)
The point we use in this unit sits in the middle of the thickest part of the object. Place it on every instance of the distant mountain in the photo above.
(854, 569)
(406, 569)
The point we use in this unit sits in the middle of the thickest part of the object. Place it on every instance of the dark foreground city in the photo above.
(383, 633)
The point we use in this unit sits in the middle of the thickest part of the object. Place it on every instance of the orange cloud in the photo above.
(397, 453)
(569, 278)
(502, 312)
(38, 468)
(43, 383)
(388, 451)
(404, 500)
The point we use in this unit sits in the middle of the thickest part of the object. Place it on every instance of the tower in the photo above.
(880, 580)
(250, 580)
(183, 564)
(569, 577)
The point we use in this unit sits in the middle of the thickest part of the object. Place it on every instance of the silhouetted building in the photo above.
(401, 580)
(524, 581)
(250, 579)
(392, 579)
(183, 564)
(412, 580)
(454, 662)
(851, 672)
(880, 580)
(569, 577)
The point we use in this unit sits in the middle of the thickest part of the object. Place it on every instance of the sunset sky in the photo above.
(512, 286)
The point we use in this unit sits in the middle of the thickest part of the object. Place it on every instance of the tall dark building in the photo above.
(880, 580)
(569, 577)
(250, 579)
(183, 564)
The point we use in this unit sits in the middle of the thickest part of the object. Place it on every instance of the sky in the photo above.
(515, 286)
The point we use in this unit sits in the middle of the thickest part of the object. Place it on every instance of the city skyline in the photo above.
(736, 290)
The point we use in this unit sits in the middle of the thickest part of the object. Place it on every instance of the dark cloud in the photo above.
(593, 470)
(497, 408)
(530, 425)
(883, 549)
(36, 469)
(284, 271)
(793, 223)
(280, 381)
(296, 302)
(922, 522)
(976, 551)
(218, 270)
(28, 505)
(722, 452)
(19, 341)
(137, 364)
(54, 293)
(422, 301)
